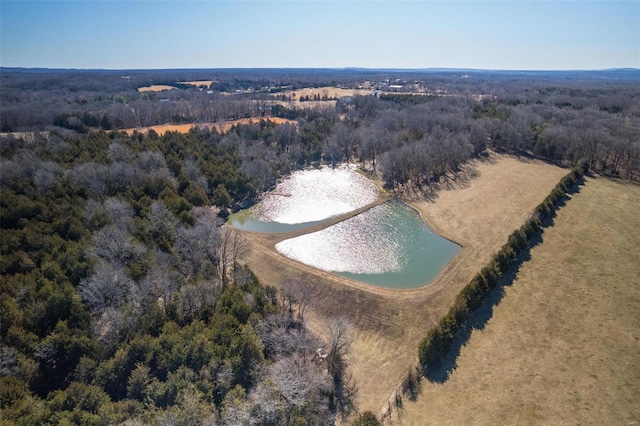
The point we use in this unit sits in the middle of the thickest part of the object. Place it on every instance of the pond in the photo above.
(306, 198)
(388, 246)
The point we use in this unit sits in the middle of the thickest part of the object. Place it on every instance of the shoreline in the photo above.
(389, 323)
(384, 196)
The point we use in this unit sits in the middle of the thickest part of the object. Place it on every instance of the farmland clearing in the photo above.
(156, 88)
(199, 83)
(388, 324)
(562, 344)
(323, 92)
(221, 127)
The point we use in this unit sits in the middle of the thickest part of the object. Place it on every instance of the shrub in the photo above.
(470, 296)
(518, 240)
(366, 419)
(460, 308)
(531, 228)
(432, 347)
(505, 258)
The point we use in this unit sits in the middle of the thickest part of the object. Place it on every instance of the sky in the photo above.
(153, 34)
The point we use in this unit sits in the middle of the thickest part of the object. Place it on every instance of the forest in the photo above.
(123, 298)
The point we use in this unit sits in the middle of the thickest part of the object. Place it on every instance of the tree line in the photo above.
(414, 140)
(435, 346)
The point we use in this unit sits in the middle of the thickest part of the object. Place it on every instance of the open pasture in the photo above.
(323, 92)
(479, 213)
(199, 83)
(561, 346)
(156, 88)
(221, 127)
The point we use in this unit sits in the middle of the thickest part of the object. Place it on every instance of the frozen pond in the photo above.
(388, 246)
(307, 197)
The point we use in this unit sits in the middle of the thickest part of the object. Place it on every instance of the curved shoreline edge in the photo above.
(273, 238)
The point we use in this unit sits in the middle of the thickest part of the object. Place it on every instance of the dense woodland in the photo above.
(123, 297)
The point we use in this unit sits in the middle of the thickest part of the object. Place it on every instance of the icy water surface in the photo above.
(305, 198)
(387, 246)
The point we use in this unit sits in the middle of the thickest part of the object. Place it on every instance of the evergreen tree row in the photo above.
(435, 346)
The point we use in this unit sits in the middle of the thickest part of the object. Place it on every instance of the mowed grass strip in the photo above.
(563, 345)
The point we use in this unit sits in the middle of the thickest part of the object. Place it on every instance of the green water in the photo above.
(387, 246)
(245, 220)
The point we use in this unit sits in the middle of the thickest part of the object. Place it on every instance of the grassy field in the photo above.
(199, 83)
(329, 92)
(222, 127)
(388, 324)
(563, 344)
(155, 88)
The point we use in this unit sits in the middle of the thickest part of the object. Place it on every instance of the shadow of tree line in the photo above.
(441, 371)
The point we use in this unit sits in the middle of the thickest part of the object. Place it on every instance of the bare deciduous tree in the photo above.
(117, 246)
(92, 175)
(268, 403)
(282, 337)
(120, 176)
(193, 300)
(298, 381)
(162, 223)
(108, 287)
(344, 387)
(119, 153)
(162, 279)
(294, 292)
(197, 246)
(45, 177)
(119, 212)
(233, 246)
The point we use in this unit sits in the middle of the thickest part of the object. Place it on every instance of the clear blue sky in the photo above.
(400, 34)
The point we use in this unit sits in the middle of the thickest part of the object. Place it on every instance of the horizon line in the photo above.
(349, 68)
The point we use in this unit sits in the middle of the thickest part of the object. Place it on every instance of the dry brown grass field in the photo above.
(479, 213)
(199, 83)
(330, 92)
(563, 344)
(221, 127)
(155, 88)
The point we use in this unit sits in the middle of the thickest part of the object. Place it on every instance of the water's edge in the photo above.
(414, 243)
